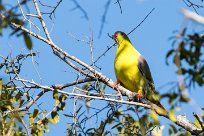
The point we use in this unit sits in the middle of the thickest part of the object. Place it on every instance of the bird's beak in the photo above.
(113, 37)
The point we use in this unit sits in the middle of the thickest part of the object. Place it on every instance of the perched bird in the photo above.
(132, 70)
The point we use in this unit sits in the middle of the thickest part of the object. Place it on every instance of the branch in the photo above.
(193, 5)
(81, 9)
(193, 16)
(180, 120)
(183, 122)
(62, 86)
(103, 21)
(42, 21)
(118, 2)
(141, 21)
(47, 88)
(54, 8)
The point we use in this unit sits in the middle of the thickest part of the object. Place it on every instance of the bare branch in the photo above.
(109, 47)
(54, 8)
(30, 22)
(104, 53)
(78, 6)
(193, 16)
(195, 6)
(91, 48)
(180, 120)
(103, 21)
(118, 2)
(42, 21)
(141, 21)
(76, 82)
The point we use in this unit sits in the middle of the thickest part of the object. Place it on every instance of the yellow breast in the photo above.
(126, 67)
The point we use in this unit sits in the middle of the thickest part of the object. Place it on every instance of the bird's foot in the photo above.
(139, 95)
(114, 84)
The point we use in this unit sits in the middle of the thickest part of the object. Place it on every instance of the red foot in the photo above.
(114, 84)
(139, 95)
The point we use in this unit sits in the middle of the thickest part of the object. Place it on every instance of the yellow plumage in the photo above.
(132, 70)
(125, 66)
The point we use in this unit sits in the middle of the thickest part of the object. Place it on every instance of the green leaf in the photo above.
(154, 116)
(62, 99)
(78, 109)
(116, 126)
(7, 71)
(173, 128)
(55, 118)
(45, 124)
(31, 119)
(55, 96)
(184, 98)
(18, 96)
(27, 40)
(1, 84)
(197, 123)
(168, 54)
(35, 113)
(172, 116)
(67, 115)
(86, 86)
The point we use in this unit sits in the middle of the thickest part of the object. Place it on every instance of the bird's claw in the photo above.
(114, 84)
(139, 95)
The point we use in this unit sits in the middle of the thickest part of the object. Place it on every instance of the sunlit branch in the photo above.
(180, 120)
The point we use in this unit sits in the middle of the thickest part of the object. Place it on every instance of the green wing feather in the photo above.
(150, 93)
(144, 69)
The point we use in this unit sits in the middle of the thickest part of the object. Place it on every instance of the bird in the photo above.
(132, 70)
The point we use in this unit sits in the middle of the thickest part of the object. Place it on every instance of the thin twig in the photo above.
(91, 49)
(62, 86)
(54, 8)
(42, 21)
(78, 6)
(193, 5)
(118, 1)
(103, 20)
(75, 115)
(183, 122)
(104, 53)
(141, 21)
(30, 22)
(109, 47)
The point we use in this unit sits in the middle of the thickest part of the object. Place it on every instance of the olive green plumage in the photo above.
(132, 70)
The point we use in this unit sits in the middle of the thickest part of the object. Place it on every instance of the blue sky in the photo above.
(150, 39)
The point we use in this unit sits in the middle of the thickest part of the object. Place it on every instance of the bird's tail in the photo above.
(159, 108)
(155, 103)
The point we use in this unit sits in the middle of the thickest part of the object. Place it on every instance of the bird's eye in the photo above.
(116, 35)
(122, 34)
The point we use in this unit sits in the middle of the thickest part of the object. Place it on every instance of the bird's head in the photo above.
(119, 37)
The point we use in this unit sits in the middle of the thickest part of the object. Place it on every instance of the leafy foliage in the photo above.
(17, 118)
(13, 102)
(188, 57)
(10, 15)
